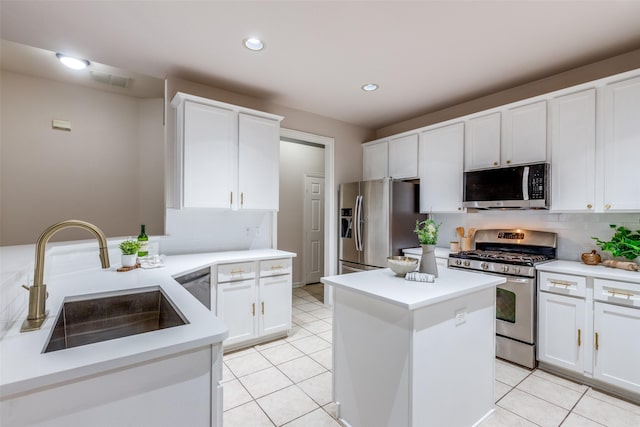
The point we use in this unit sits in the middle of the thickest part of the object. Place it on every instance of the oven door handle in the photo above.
(513, 280)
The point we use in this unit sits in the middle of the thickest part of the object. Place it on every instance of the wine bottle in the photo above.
(143, 239)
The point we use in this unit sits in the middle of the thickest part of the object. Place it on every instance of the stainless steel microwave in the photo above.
(514, 187)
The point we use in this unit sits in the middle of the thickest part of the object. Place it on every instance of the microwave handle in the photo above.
(525, 183)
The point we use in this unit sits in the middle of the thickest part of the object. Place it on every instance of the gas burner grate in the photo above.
(502, 256)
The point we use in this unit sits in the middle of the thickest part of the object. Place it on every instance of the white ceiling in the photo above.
(425, 55)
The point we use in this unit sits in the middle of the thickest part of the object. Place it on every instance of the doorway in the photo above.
(301, 219)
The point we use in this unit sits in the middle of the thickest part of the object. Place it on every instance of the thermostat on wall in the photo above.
(61, 125)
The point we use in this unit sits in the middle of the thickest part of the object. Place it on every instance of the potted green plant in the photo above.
(427, 232)
(624, 243)
(129, 249)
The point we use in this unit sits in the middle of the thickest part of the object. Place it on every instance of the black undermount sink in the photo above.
(105, 318)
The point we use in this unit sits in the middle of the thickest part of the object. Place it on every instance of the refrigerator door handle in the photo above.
(359, 224)
(355, 223)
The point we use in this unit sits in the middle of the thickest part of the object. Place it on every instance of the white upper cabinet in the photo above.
(441, 152)
(403, 157)
(208, 147)
(573, 148)
(375, 160)
(482, 148)
(621, 146)
(259, 157)
(226, 156)
(524, 134)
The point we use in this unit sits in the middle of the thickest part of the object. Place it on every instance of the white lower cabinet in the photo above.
(254, 300)
(561, 327)
(591, 327)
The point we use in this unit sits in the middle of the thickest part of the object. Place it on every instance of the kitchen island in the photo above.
(413, 353)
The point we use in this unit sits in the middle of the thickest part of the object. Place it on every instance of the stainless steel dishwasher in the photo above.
(198, 284)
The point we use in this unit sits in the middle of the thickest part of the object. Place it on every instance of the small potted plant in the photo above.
(129, 249)
(427, 232)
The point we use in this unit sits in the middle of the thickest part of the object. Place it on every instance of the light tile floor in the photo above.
(287, 382)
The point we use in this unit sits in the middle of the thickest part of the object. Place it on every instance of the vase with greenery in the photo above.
(624, 243)
(129, 249)
(427, 232)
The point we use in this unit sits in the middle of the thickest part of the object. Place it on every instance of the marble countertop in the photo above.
(439, 252)
(24, 368)
(384, 285)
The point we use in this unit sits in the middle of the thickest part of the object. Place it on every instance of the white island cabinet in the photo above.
(402, 349)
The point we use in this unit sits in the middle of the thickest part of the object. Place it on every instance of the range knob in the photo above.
(516, 270)
(505, 268)
(484, 265)
(467, 263)
(458, 262)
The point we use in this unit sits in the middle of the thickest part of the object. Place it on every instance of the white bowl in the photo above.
(402, 265)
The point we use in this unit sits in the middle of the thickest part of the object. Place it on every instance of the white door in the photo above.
(237, 308)
(313, 246)
(209, 162)
(275, 304)
(259, 162)
(561, 331)
(617, 345)
(573, 149)
(440, 152)
(621, 148)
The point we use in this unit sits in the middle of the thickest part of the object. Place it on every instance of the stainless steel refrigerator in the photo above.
(377, 219)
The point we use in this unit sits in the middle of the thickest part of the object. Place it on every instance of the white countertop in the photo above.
(384, 285)
(23, 366)
(599, 271)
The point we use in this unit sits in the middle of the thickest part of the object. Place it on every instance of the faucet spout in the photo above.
(38, 292)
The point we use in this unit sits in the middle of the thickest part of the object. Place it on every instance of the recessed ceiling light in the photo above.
(370, 87)
(71, 62)
(253, 44)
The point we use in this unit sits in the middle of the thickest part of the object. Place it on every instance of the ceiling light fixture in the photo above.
(370, 87)
(253, 44)
(71, 62)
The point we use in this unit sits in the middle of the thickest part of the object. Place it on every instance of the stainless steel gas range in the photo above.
(512, 254)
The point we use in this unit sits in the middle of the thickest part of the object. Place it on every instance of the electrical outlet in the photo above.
(461, 316)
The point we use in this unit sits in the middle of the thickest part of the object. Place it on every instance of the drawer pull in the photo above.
(597, 344)
(237, 271)
(563, 283)
(626, 294)
(277, 267)
(579, 340)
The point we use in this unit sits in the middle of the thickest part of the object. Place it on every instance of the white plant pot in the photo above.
(128, 260)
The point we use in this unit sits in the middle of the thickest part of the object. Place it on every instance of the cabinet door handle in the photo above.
(495, 163)
(262, 307)
(607, 206)
(231, 198)
(242, 198)
(597, 344)
(253, 308)
(589, 206)
(561, 283)
(579, 340)
(508, 162)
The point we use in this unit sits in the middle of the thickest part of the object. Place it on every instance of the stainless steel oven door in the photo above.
(515, 309)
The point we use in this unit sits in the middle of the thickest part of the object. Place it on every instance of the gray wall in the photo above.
(107, 170)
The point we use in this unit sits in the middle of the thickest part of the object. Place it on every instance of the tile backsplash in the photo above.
(574, 229)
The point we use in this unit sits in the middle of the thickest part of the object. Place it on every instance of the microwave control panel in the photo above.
(537, 178)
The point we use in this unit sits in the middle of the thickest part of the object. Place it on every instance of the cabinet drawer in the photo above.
(613, 291)
(236, 271)
(275, 267)
(564, 284)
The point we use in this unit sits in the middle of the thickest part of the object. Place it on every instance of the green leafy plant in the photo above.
(427, 231)
(624, 243)
(129, 247)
